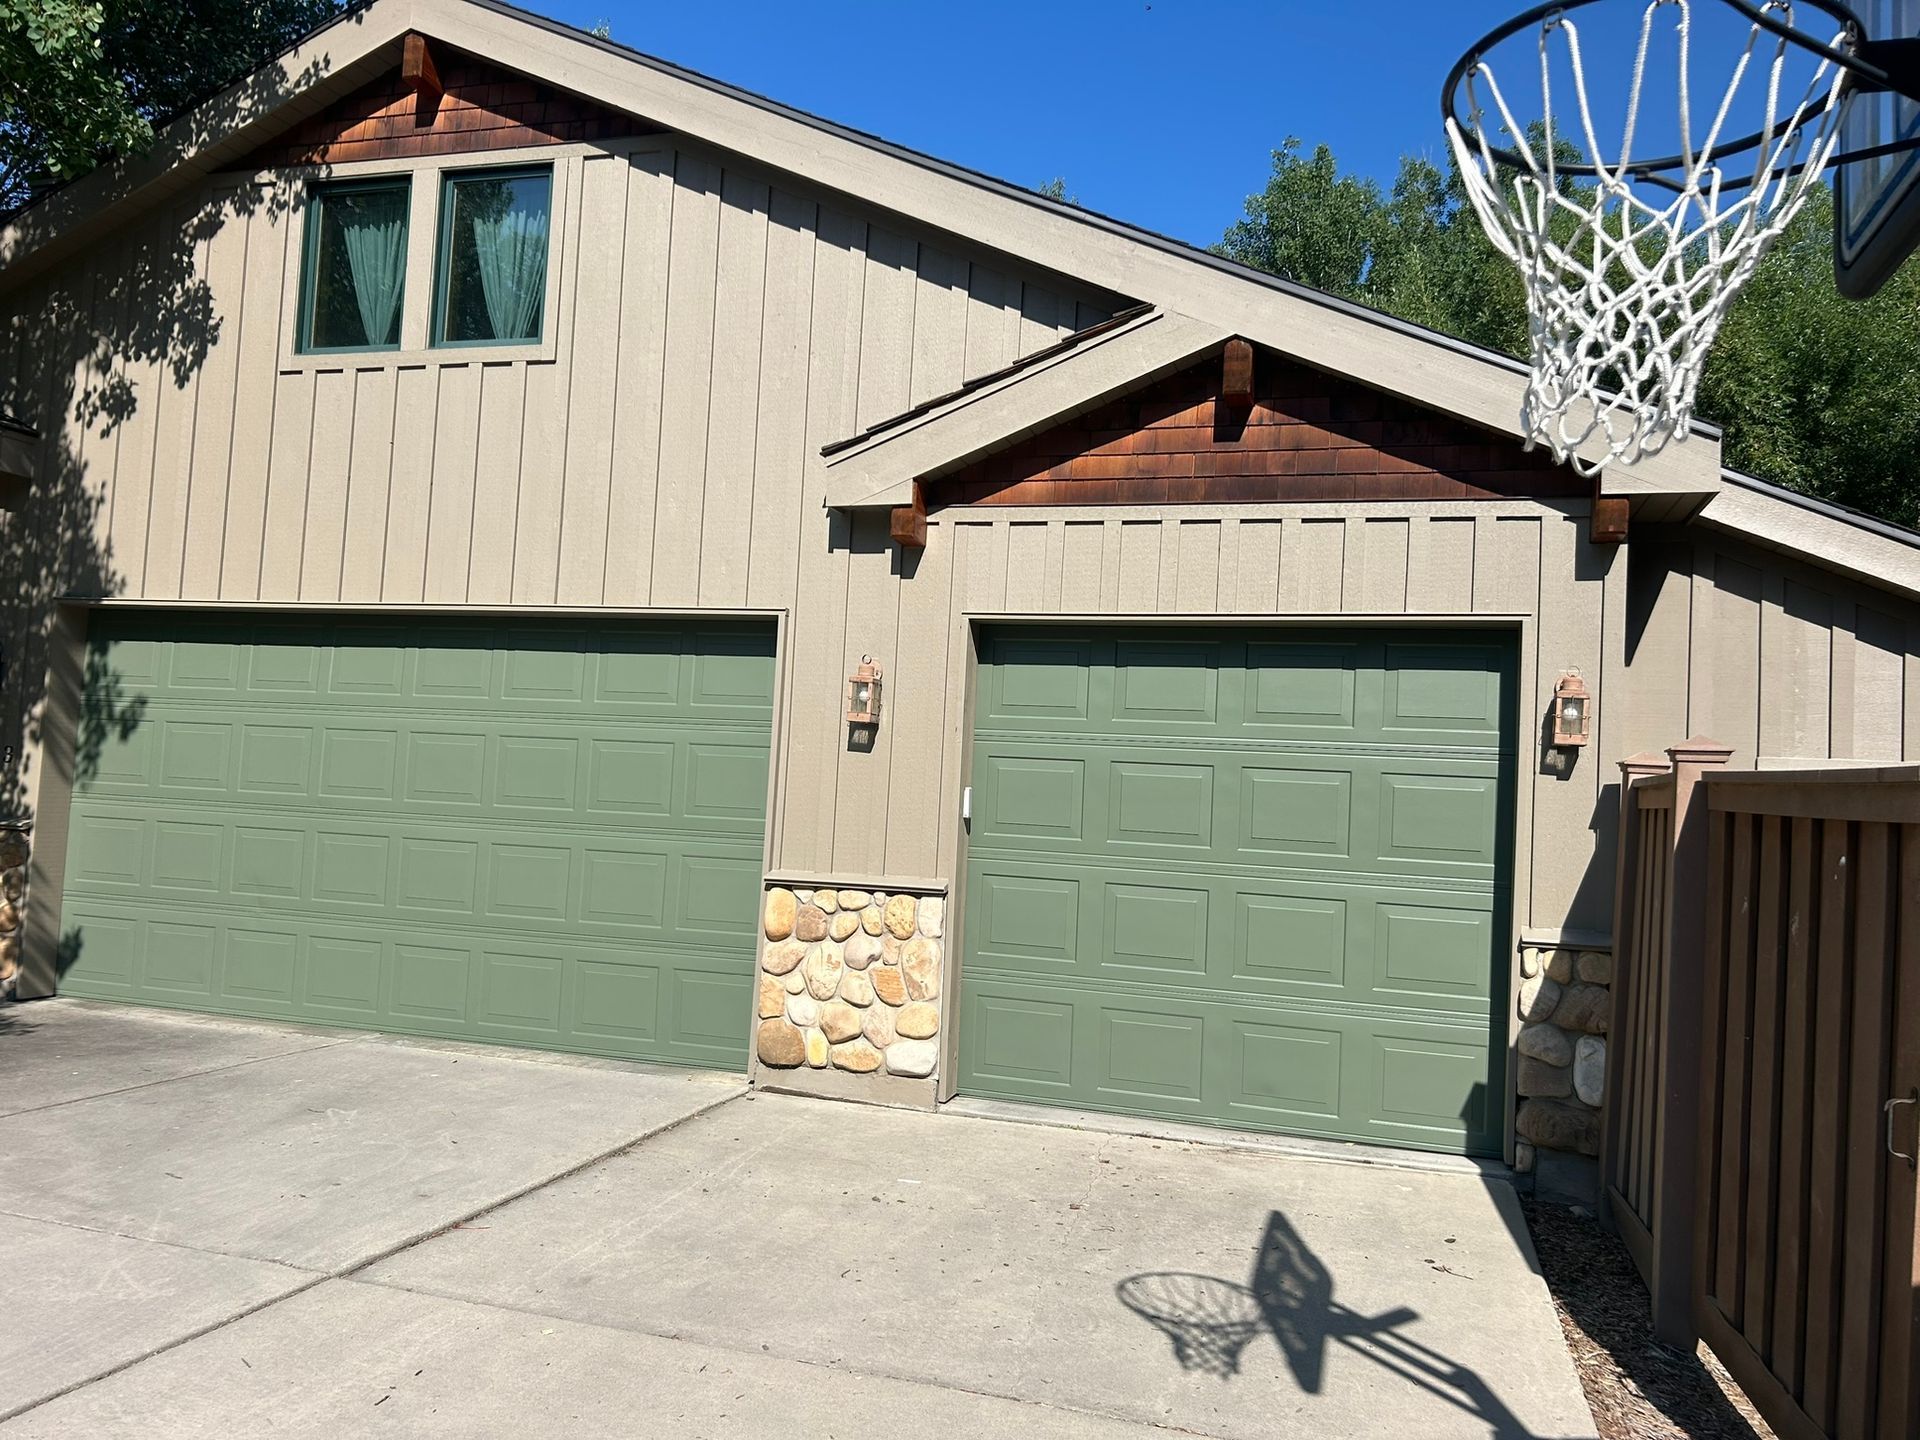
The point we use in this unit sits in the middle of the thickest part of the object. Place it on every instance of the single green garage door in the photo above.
(1252, 878)
(540, 834)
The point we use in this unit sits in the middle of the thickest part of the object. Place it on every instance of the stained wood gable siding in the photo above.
(1307, 435)
(483, 108)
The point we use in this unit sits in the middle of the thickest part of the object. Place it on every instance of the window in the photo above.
(355, 269)
(492, 285)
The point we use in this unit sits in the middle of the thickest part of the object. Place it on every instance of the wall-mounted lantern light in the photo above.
(863, 693)
(1572, 711)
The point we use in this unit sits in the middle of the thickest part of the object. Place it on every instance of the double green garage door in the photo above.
(540, 834)
(1253, 878)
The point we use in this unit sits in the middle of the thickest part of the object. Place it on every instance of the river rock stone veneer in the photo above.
(850, 980)
(13, 900)
(1566, 1009)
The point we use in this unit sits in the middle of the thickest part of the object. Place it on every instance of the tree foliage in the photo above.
(81, 80)
(1813, 392)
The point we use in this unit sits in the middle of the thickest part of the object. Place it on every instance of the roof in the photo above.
(18, 427)
(1900, 534)
(1876, 551)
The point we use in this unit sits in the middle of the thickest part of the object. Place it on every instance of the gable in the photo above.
(482, 107)
(1306, 435)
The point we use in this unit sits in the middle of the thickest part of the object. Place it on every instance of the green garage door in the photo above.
(1251, 878)
(539, 834)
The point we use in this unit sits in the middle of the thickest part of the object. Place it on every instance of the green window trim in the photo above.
(443, 266)
(317, 197)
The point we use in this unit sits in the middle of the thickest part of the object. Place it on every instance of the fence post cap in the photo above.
(1645, 763)
(1698, 750)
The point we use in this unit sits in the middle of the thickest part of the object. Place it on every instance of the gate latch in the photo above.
(1912, 1098)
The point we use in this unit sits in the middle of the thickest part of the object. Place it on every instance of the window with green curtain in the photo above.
(354, 274)
(492, 285)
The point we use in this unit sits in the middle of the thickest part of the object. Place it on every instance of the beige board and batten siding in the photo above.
(1790, 663)
(1693, 650)
(713, 327)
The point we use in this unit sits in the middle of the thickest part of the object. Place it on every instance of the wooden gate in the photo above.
(1806, 1273)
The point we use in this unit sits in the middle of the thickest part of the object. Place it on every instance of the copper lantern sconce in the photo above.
(863, 693)
(1572, 712)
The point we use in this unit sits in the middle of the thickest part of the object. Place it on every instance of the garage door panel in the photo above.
(1285, 1071)
(1151, 1055)
(1309, 688)
(260, 966)
(1284, 941)
(1429, 952)
(1437, 823)
(520, 994)
(1019, 918)
(1159, 806)
(1254, 879)
(341, 979)
(529, 882)
(1430, 1088)
(1040, 677)
(1439, 694)
(1156, 931)
(404, 828)
(1023, 1040)
(1295, 809)
(1157, 683)
(277, 760)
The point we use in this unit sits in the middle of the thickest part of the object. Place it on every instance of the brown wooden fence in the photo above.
(1764, 1092)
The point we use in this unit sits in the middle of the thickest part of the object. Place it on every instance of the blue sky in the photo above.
(1159, 112)
(1162, 114)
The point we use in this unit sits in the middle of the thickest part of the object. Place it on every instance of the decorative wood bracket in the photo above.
(1609, 523)
(907, 524)
(1236, 374)
(417, 70)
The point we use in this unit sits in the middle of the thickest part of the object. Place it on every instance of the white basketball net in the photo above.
(1625, 287)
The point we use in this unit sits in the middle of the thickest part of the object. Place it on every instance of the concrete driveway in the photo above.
(218, 1228)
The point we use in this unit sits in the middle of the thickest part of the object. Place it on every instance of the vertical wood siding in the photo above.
(1690, 653)
(664, 455)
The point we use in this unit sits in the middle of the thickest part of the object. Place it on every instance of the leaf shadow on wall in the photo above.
(116, 333)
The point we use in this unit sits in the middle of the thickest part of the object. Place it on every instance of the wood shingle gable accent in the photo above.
(1306, 435)
(476, 107)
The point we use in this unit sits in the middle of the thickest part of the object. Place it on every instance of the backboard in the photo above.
(1876, 211)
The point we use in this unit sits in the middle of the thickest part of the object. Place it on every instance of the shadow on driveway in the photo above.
(1211, 1321)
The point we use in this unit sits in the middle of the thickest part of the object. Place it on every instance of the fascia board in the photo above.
(996, 416)
(1831, 541)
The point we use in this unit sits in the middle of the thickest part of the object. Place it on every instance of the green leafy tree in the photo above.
(1056, 189)
(1813, 392)
(82, 80)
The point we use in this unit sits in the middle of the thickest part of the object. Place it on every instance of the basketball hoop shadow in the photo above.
(1210, 1322)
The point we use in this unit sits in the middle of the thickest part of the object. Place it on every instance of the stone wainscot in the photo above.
(1566, 1006)
(13, 900)
(850, 980)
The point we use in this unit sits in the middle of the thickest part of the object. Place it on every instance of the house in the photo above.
(472, 469)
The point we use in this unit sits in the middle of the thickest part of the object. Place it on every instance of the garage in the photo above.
(543, 834)
(1253, 878)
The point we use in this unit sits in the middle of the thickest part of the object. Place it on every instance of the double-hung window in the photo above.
(491, 285)
(354, 273)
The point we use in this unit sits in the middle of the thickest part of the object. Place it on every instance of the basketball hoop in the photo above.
(1629, 264)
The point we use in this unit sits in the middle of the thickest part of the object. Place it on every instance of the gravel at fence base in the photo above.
(1637, 1388)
